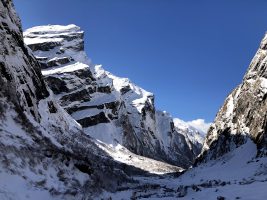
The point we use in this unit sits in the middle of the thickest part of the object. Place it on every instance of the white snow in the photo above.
(52, 29)
(239, 175)
(85, 113)
(230, 107)
(263, 86)
(105, 132)
(30, 41)
(121, 154)
(230, 167)
(8, 127)
(14, 187)
(64, 69)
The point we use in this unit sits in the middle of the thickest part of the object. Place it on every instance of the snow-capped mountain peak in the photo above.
(64, 41)
(111, 109)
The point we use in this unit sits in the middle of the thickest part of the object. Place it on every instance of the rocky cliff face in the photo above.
(109, 108)
(243, 114)
(42, 149)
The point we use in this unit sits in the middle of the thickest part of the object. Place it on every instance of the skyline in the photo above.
(190, 56)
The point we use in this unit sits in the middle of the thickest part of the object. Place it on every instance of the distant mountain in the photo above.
(111, 109)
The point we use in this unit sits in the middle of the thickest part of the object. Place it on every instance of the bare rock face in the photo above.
(243, 113)
(111, 109)
(23, 82)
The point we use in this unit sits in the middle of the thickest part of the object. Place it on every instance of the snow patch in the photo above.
(64, 69)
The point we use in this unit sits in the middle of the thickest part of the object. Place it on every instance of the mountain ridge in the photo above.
(111, 109)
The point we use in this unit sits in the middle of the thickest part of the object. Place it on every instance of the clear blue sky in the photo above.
(190, 54)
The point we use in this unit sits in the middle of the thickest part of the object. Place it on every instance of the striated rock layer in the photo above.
(110, 109)
(244, 113)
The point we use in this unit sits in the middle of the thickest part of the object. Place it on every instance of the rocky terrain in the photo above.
(110, 109)
(87, 136)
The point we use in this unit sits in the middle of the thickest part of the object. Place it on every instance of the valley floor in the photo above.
(236, 175)
(123, 155)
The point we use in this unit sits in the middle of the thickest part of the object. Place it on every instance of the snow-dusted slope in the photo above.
(44, 154)
(228, 177)
(111, 109)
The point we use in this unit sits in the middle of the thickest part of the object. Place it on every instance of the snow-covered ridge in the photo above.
(50, 33)
(65, 69)
(111, 109)
(57, 39)
(53, 29)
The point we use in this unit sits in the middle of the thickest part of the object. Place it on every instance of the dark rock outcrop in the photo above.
(93, 120)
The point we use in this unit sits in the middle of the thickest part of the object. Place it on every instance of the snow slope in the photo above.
(226, 178)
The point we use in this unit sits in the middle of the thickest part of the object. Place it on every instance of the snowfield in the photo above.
(123, 155)
(236, 175)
